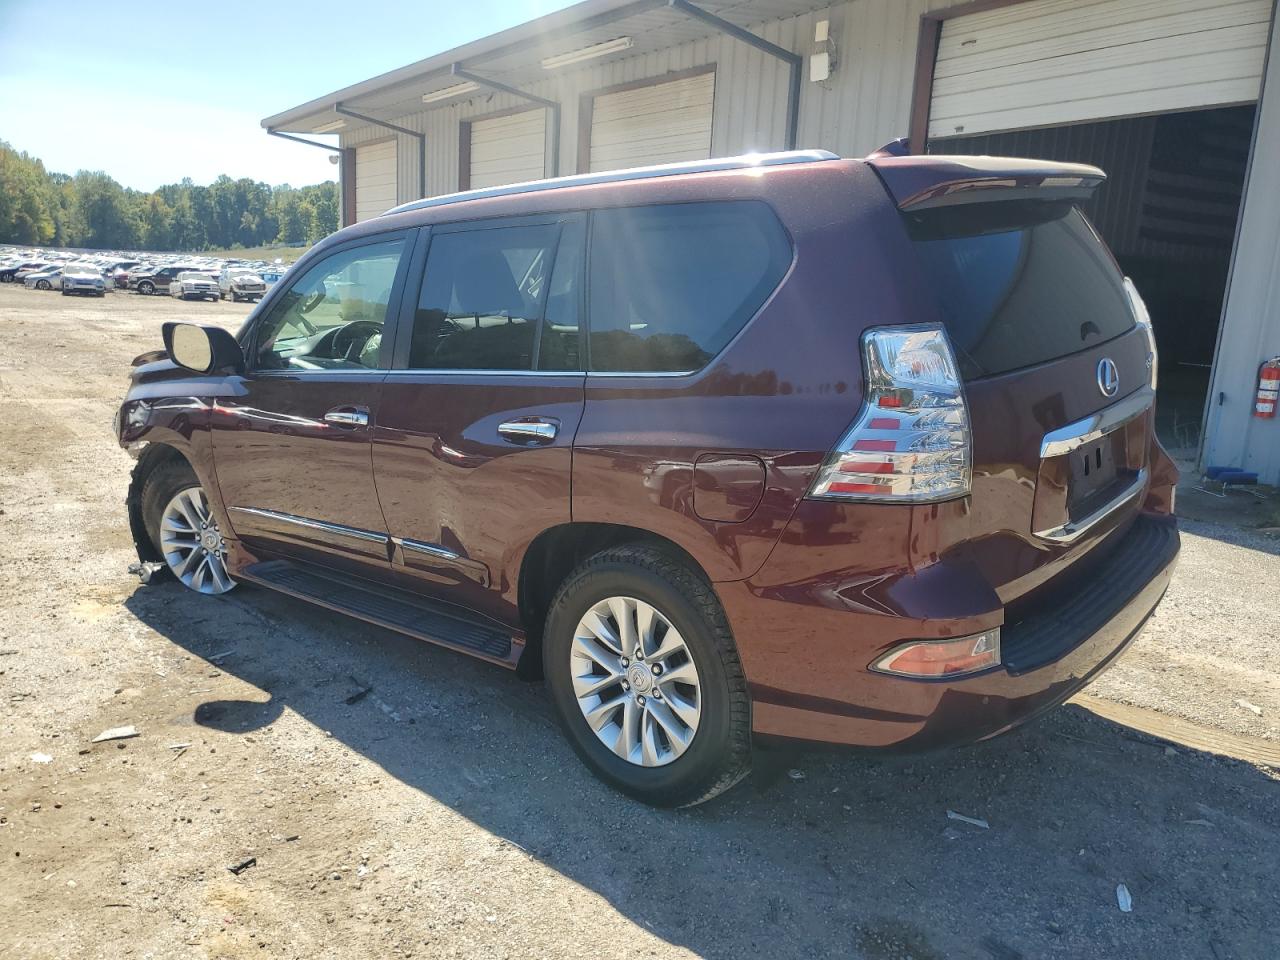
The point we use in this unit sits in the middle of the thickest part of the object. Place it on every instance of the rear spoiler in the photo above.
(925, 182)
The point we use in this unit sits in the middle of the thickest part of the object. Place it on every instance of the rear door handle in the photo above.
(531, 430)
(348, 417)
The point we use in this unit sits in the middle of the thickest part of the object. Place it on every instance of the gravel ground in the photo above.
(441, 815)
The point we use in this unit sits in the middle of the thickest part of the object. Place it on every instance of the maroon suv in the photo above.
(853, 451)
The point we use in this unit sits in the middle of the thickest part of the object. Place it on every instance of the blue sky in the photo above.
(151, 92)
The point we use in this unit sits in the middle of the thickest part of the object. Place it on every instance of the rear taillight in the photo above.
(1143, 319)
(910, 442)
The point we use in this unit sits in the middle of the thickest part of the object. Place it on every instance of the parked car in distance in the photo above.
(83, 278)
(193, 285)
(19, 273)
(237, 283)
(9, 272)
(271, 275)
(46, 278)
(149, 281)
(850, 451)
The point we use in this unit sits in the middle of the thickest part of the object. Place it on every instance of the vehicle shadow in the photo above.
(819, 853)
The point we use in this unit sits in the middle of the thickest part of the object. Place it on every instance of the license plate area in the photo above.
(1094, 472)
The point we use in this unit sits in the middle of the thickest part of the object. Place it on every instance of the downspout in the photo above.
(421, 138)
(346, 171)
(793, 60)
(462, 73)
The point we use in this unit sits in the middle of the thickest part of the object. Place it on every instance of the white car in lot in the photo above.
(83, 278)
(190, 285)
(238, 283)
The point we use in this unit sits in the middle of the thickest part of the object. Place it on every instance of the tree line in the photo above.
(90, 209)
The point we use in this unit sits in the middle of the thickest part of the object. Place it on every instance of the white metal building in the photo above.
(1176, 99)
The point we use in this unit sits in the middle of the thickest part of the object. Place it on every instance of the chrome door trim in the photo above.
(1072, 530)
(1097, 425)
(332, 528)
(445, 558)
(431, 549)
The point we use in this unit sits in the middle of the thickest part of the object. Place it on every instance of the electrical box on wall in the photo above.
(822, 62)
(819, 67)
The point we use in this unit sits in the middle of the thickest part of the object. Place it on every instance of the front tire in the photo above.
(43, 285)
(646, 679)
(146, 288)
(175, 510)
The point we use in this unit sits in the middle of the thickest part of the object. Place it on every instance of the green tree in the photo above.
(27, 199)
(157, 223)
(93, 210)
(105, 210)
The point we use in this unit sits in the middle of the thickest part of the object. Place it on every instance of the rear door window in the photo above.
(671, 284)
(491, 294)
(1019, 283)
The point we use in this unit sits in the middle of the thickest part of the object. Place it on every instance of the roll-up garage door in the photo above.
(508, 149)
(659, 123)
(1052, 62)
(375, 179)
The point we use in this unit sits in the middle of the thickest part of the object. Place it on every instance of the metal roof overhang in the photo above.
(513, 57)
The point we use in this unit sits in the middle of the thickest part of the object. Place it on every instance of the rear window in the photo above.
(1019, 283)
(670, 285)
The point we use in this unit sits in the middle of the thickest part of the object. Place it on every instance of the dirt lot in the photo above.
(441, 815)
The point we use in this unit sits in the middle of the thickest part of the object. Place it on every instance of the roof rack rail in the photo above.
(744, 162)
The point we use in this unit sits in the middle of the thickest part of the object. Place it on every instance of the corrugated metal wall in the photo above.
(865, 103)
(1051, 62)
(1250, 329)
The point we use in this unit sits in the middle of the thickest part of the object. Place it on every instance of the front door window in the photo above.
(332, 317)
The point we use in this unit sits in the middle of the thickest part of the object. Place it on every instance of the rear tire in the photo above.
(709, 747)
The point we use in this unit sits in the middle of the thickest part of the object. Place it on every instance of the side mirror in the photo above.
(202, 349)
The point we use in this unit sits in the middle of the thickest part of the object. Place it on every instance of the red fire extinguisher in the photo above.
(1264, 405)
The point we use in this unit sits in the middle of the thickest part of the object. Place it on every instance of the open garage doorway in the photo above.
(1168, 210)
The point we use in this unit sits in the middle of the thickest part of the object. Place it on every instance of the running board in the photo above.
(388, 608)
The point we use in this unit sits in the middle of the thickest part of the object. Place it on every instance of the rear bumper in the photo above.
(1060, 645)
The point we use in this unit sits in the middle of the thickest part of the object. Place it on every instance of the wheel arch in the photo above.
(153, 455)
(554, 554)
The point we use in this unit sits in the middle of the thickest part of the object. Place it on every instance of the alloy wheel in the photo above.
(192, 543)
(635, 681)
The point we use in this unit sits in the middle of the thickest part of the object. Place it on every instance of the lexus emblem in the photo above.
(1108, 377)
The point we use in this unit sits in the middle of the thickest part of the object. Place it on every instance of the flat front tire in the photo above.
(645, 677)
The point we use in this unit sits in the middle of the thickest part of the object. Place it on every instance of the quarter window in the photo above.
(332, 316)
(672, 284)
(485, 295)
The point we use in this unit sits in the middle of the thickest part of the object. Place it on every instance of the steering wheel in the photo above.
(347, 341)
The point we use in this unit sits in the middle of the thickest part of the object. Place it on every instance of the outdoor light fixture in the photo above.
(586, 53)
(457, 90)
(330, 127)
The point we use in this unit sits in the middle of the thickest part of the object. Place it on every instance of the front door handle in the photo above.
(529, 430)
(348, 417)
